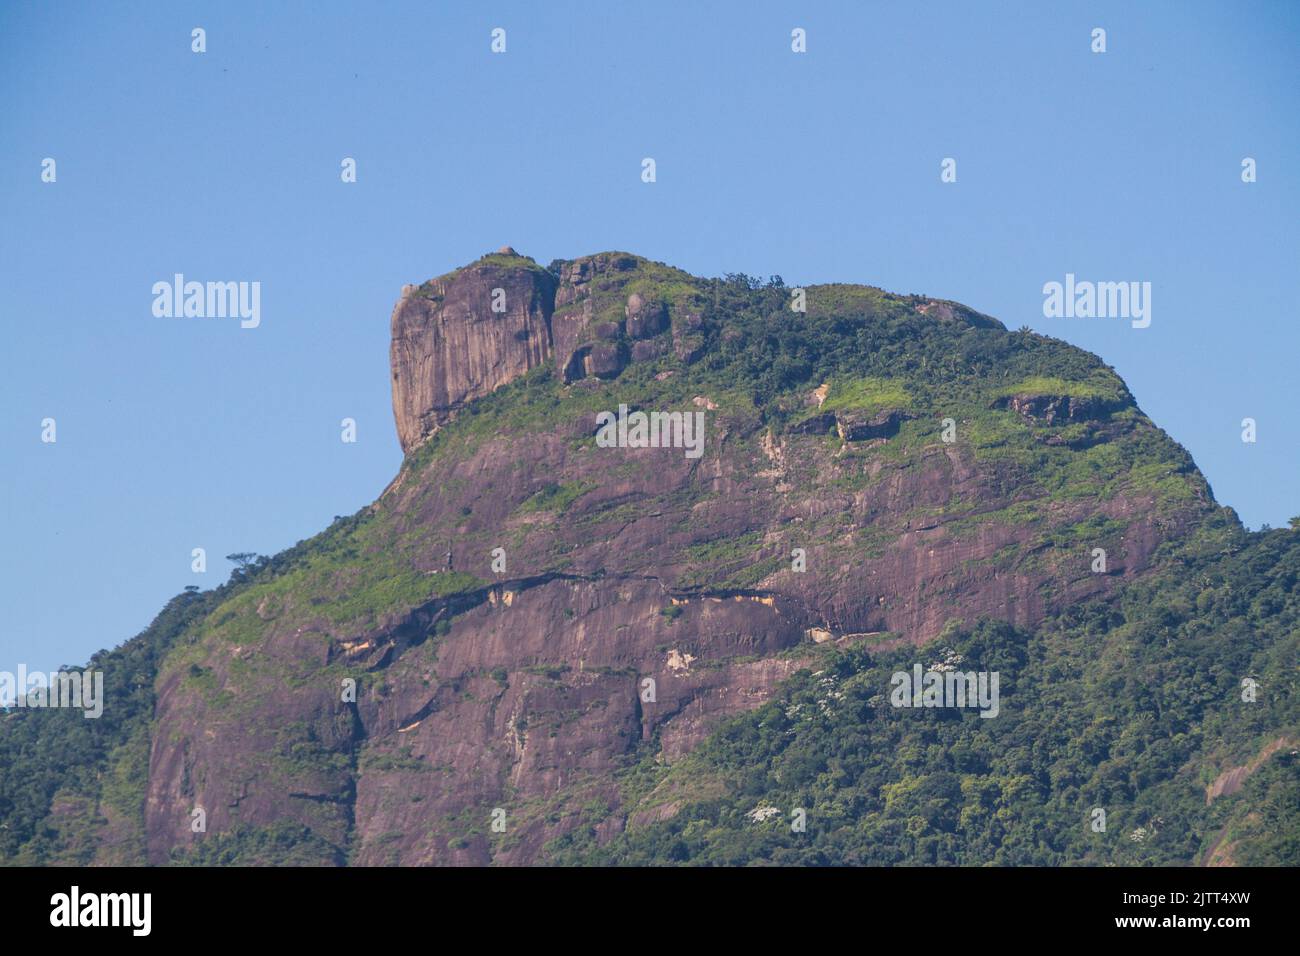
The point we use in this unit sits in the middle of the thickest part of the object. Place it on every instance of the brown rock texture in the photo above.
(1051, 409)
(861, 427)
(1230, 781)
(645, 318)
(449, 346)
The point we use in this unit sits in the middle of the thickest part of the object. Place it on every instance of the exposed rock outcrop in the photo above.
(1059, 409)
(575, 320)
(462, 336)
(852, 425)
(645, 318)
(864, 426)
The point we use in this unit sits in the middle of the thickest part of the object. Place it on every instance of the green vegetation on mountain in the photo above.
(1133, 706)
(56, 766)
(868, 394)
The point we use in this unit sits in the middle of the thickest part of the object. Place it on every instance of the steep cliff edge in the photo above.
(464, 335)
(461, 336)
(528, 615)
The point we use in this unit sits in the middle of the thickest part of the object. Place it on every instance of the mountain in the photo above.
(571, 646)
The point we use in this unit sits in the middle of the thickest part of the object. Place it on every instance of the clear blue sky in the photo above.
(175, 434)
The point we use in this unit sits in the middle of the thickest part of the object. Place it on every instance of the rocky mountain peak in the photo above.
(870, 474)
(465, 334)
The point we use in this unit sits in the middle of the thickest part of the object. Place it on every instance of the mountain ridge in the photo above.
(502, 603)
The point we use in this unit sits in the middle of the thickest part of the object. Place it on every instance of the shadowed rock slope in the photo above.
(541, 625)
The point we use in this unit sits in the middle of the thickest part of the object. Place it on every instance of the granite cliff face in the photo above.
(464, 335)
(524, 614)
(461, 337)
